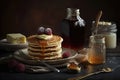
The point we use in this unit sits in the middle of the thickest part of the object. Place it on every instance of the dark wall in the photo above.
(25, 16)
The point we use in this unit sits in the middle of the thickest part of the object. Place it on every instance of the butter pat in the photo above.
(16, 38)
(44, 36)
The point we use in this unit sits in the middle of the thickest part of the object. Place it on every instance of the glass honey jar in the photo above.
(97, 50)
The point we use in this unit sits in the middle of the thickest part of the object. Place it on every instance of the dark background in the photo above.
(25, 16)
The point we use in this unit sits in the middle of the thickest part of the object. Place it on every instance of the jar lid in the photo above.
(105, 27)
(73, 11)
(98, 39)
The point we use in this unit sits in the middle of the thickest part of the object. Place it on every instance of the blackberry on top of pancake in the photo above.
(45, 45)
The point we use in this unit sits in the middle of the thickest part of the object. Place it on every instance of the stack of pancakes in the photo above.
(45, 49)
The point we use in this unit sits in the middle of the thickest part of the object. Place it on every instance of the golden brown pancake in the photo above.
(45, 49)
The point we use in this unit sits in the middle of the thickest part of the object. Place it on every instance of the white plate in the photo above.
(4, 45)
(23, 56)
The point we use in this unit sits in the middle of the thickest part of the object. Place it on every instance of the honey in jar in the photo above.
(97, 51)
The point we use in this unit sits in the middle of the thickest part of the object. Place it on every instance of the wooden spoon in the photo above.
(97, 21)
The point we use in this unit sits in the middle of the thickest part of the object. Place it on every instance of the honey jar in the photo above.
(97, 50)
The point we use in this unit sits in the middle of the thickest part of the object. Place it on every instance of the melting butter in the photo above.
(44, 36)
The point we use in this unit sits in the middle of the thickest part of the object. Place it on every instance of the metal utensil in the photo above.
(104, 70)
(50, 67)
(36, 69)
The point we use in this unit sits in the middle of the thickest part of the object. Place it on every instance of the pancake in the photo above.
(45, 49)
(34, 41)
(45, 54)
(46, 57)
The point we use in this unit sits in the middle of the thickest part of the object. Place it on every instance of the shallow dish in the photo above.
(4, 45)
(23, 56)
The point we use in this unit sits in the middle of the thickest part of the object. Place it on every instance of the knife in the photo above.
(50, 67)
